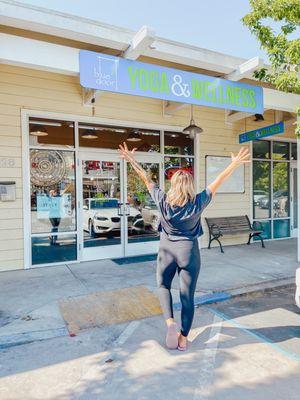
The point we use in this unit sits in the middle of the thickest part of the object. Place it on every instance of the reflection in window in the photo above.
(266, 225)
(173, 164)
(280, 150)
(280, 190)
(109, 137)
(101, 197)
(261, 189)
(53, 248)
(47, 132)
(53, 191)
(294, 151)
(142, 214)
(281, 228)
(178, 143)
(261, 149)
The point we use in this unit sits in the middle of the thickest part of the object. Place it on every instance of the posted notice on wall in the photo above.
(53, 206)
(215, 165)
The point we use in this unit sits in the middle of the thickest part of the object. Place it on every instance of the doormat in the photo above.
(135, 259)
(106, 308)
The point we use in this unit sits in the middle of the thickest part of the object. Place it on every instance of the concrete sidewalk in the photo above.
(29, 309)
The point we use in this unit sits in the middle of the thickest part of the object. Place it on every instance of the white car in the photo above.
(150, 215)
(100, 216)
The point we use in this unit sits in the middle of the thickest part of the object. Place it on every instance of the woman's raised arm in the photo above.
(128, 155)
(241, 158)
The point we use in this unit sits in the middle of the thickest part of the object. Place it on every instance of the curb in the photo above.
(7, 341)
(29, 337)
(256, 288)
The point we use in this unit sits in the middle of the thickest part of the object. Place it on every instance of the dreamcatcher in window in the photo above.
(48, 168)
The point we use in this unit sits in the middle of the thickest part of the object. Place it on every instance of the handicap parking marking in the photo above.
(207, 366)
(252, 332)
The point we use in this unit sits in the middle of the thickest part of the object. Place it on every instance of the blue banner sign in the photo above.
(120, 75)
(262, 132)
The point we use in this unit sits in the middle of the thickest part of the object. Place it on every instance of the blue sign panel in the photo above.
(262, 132)
(115, 74)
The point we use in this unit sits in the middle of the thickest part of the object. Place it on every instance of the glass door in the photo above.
(118, 217)
(141, 223)
(101, 206)
(294, 200)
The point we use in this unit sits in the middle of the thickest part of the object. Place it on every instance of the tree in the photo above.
(282, 49)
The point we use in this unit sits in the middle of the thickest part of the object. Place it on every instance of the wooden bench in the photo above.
(219, 227)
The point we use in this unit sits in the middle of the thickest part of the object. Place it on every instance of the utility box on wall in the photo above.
(7, 191)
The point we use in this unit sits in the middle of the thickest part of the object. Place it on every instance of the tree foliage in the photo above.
(282, 49)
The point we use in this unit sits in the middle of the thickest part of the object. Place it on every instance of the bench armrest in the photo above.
(257, 226)
(215, 230)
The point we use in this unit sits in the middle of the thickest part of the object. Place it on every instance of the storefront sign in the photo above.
(262, 132)
(120, 75)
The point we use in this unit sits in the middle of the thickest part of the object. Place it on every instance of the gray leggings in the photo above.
(184, 257)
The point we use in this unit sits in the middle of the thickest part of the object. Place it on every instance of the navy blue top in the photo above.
(181, 222)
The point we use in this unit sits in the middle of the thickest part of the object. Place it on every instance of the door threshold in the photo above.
(135, 259)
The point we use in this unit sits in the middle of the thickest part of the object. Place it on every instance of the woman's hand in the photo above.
(243, 157)
(128, 155)
(125, 153)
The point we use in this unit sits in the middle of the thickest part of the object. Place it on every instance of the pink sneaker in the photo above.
(172, 336)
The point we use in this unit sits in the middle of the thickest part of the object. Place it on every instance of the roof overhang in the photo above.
(20, 51)
(37, 54)
(38, 19)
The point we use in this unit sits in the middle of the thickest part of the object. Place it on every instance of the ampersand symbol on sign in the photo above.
(179, 88)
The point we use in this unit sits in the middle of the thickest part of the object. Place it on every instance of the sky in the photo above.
(210, 24)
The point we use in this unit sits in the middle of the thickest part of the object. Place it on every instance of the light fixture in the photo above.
(89, 134)
(192, 130)
(38, 130)
(134, 136)
(259, 117)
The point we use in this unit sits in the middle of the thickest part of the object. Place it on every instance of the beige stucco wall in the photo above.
(37, 90)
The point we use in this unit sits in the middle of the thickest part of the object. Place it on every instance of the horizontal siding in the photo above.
(39, 90)
(11, 265)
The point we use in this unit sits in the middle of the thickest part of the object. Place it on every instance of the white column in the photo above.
(298, 194)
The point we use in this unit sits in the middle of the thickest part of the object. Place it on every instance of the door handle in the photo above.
(127, 209)
(120, 207)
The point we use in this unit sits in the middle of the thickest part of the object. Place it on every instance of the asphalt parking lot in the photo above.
(245, 348)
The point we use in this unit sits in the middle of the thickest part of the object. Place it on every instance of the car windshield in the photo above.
(150, 203)
(103, 203)
(280, 193)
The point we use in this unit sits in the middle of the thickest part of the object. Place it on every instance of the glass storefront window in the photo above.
(47, 132)
(178, 143)
(261, 189)
(280, 150)
(273, 205)
(143, 217)
(294, 151)
(267, 230)
(173, 164)
(281, 228)
(101, 198)
(261, 149)
(109, 137)
(53, 191)
(53, 248)
(280, 189)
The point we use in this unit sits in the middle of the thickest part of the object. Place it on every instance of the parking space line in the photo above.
(128, 331)
(206, 369)
(257, 335)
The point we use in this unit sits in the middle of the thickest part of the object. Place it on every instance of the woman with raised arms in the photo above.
(180, 210)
